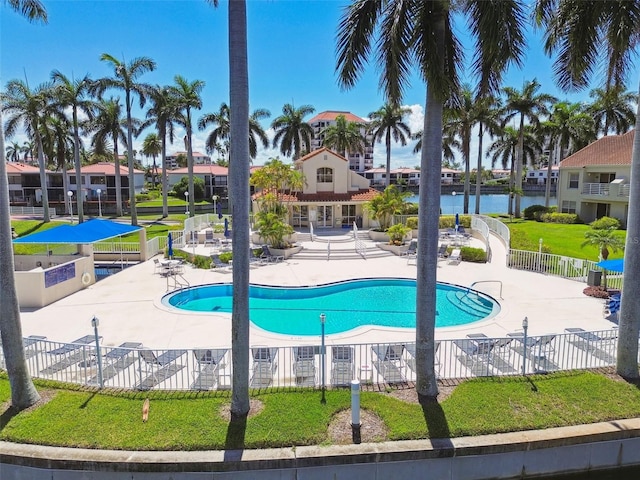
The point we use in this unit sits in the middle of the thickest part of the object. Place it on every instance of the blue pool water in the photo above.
(388, 302)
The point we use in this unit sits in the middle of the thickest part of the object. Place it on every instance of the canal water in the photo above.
(489, 203)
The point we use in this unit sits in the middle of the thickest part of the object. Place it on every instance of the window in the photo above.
(325, 175)
(574, 178)
(348, 214)
(96, 180)
(568, 207)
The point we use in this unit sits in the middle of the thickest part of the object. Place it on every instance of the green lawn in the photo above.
(193, 421)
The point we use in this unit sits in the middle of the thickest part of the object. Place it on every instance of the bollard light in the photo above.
(99, 192)
(322, 348)
(525, 327)
(70, 195)
(186, 199)
(453, 202)
(94, 323)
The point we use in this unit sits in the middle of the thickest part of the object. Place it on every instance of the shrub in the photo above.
(226, 257)
(449, 221)
(597, 292)
(397, 233)
(530, 212)
(198, 261)
(143, 197)
(471, 254)
(605, 223)
(566, 218)
(412, 223)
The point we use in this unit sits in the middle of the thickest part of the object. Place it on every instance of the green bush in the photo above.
(566, 218)
(198, 261)
(412, 223)
(410, 208)
(226, 257)
(605, 223)
(449, 221)
(530, 212)
(471, 254)
(143, 197)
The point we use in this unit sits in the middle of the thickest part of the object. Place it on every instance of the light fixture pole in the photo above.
(94, 323)
(70, 195)
(215, 199)
(539, 254)
(99, 192)
(186, 199)
(453, 202)
(322, 348)
(525, 327)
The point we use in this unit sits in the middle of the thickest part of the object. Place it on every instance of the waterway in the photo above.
(489, 203)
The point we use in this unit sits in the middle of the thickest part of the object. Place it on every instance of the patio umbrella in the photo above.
(219, 210)
(616, 265)
(226, 228)
(170, 245)
(457, 222)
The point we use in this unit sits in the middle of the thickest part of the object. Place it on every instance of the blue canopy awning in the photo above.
(91, 231)
(616, 265)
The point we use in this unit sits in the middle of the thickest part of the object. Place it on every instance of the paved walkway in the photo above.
(129, 306)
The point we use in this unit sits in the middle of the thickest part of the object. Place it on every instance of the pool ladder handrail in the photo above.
(487, 281)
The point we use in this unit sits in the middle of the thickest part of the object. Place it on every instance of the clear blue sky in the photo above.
(291, 54)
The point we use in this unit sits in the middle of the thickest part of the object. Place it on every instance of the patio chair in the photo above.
(116, 360)
(31, 345)
(219, 265)
(389, 362)
(456, 257)
(156, 369)
(192, 238)
(80, 350)
(269, 257)
(442, 251)
(157, 266)
(341, 365)
(304, 366)
(411, 356)
(264, 366)
(412, 250)
(209, 239)
(206, 373)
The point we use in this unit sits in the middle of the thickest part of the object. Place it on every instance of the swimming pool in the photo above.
(388, 302)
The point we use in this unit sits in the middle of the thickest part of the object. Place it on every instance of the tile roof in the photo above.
(318, 152)
(331, 115)
(209, 169)
(195, 154)
(18, 167)
(105, 168)
(362, 195)
(609, 150)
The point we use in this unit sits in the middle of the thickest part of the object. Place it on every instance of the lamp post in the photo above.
(453, 202)
(186, 207)
(525, 327)
(94, 323)
(215, 199)
(99, 192)
(322, 347)
(70, 195)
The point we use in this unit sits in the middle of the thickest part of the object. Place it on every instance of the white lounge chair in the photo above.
(206, 372)
(304, 366)
(455, 256)
(264, 366)
(389, 362)
(341, 365)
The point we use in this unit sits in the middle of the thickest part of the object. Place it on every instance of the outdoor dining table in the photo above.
(171, 266)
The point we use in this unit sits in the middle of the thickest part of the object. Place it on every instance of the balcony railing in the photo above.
(595, 189)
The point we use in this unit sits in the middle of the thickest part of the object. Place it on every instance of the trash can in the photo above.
(594, 278)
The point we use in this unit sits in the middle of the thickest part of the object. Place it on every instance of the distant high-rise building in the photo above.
(358, 161)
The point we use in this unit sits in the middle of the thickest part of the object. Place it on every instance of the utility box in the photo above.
(594, 279)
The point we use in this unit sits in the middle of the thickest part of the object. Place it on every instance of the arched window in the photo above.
(325, 175)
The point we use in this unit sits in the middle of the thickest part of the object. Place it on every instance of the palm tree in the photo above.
(58, 143)
(28, 108)
(239, 178)
(420, 32)
(71, 93)
(344, 136)
(569, 129)
(187, 96)
(530, 105)
(449, 142)
(152, 147)
(162, 114)
(604, 239)
(13, 152)
(124, 78)
(221, 132)
(106, 125)
(23, 392)
(611, 109)
(585, 34)
(387, 123)
(28, 148)
(487, 114)
(292, 132)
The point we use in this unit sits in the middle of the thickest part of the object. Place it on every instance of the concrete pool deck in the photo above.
(129, 306)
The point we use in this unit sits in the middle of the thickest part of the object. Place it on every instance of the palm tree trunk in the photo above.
(118, 182)
(547, 191)
(43, 177)
(387, 181)
(627, 361)
(519, 166)
(239, 178)
(466, 151)
(65, 187)
(78, 167)
(132, 186)
(165, 206)
(479, 170)
(192, 197)
(23, 392)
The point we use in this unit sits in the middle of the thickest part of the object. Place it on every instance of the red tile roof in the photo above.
(609, 150)
(318, 152)
(203, 170)
(106, 168)
(332, 115)
(363, 195)
(17, 167)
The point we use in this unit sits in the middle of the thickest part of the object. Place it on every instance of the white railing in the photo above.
(133, 367)
(311, 230)
(595, 189)
(32, 211)
(116, 247)
(624, 190)
(499, 228)
(360, 246)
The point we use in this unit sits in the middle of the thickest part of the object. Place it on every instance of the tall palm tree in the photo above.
(58, 143)
(292, 132)
(162, 114)
(344, 136)
(239, 178)
(187, 96)
(13, 152)
(220, 134)
(569, 129)
(487, 110)
(29, 149)
(449, 142)
(420, 32)
(152, 147)
(526, 104)
(124, 78)
(388, 123)
(23, 392)
(584, 35)
(28, 108)
(612, 109)
(108, 124)
(70, 93)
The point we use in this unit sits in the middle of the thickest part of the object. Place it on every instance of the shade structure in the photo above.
(87, 232)
(170, 245)
(226, 228)
(616, 265)
(219, 210)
